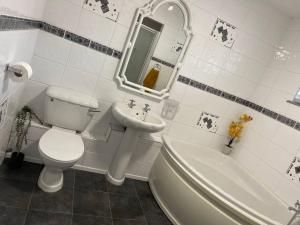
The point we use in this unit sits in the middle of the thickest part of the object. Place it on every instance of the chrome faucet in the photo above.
(147, 108)
(296, 209)
(131, 103)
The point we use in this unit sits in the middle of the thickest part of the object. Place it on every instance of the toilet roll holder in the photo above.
(15, 71)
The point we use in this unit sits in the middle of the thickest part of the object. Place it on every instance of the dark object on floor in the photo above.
(16, 160)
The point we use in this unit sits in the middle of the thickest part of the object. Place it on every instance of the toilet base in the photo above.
(51, 179)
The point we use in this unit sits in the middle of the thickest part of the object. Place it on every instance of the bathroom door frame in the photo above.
(150, 52)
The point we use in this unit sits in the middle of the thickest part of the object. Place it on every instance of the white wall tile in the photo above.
(109, 67)
(95, 27)
(107, 90)
(86, 59)
(119, 37)
(46, 71)
(52, 47)
(62, 13)
(79, 80)
(287, 138)
(29, 8)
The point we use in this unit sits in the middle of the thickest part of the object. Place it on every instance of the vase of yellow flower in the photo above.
(234, 132)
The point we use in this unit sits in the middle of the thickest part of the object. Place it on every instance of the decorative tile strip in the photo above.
(267, 112)
(163, 62)
(14, 23)
(297, 126)
(286, 121)
(52, 29)
(77, 39)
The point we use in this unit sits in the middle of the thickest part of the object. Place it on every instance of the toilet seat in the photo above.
(61, 146)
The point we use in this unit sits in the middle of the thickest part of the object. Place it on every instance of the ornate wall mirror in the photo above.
(157, 42)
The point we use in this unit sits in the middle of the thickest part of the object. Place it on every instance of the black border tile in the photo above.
(77, 39)
(256, 107)
(184, 80)
(213, 91)
(287, 121)
(117, 54)
(98, 47)
(197, 85)
(270, 113)
(163, 62)
(297, 126)
(228, 96)
(242, 101)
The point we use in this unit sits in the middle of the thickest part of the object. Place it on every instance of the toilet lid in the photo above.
(61, 145)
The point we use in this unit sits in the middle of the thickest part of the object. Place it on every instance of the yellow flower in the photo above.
(236, 128)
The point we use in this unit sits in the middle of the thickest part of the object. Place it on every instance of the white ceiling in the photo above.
(289, 7)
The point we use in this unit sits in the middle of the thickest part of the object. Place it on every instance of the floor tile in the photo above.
(69, 178)
(15, 193)
(153, 213)
(143, 188)
(127, 188)
(46, 218)
(61, 201)
(140, 221)
(90, 181)
(90, 220)
(12, 216)
(28, 172)
(125, 207)
(94, 203)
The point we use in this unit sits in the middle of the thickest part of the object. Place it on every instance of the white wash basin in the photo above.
(136, 118)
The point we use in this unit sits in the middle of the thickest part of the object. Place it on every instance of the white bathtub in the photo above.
(201, 186)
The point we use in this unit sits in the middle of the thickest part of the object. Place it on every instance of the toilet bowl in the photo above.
(68, 112)
(59, 149)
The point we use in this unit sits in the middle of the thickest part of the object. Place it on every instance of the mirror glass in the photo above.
(158, 45)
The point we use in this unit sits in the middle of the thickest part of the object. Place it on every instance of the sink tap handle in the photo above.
(147, 108)
(131, 103)
(297, 204)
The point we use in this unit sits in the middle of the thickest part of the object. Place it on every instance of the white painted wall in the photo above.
(240, 70)
(15, 46)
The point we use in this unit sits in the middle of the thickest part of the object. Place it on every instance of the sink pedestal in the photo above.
(118, 167)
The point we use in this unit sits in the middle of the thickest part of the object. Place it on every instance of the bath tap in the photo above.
(147, 108)
(131, 103)
(296, 209)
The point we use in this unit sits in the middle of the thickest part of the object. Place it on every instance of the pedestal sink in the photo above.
(136, 120)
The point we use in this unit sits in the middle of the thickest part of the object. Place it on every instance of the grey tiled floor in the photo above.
(86, 199)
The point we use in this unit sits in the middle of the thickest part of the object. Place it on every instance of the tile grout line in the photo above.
(109, 204)
(73, 197)
(139, 200)
(30, 199)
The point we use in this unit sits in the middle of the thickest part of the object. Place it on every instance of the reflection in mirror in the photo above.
(157, 42)
(156, 50)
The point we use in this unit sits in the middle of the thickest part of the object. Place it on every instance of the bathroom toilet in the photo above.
(68, 112)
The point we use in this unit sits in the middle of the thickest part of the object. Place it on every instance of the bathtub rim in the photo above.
(215, 193)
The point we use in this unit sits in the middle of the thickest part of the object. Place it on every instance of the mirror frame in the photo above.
(149, 10)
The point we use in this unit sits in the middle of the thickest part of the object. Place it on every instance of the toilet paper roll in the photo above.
(15, 69)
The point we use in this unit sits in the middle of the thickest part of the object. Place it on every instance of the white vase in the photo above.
(227, 150)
